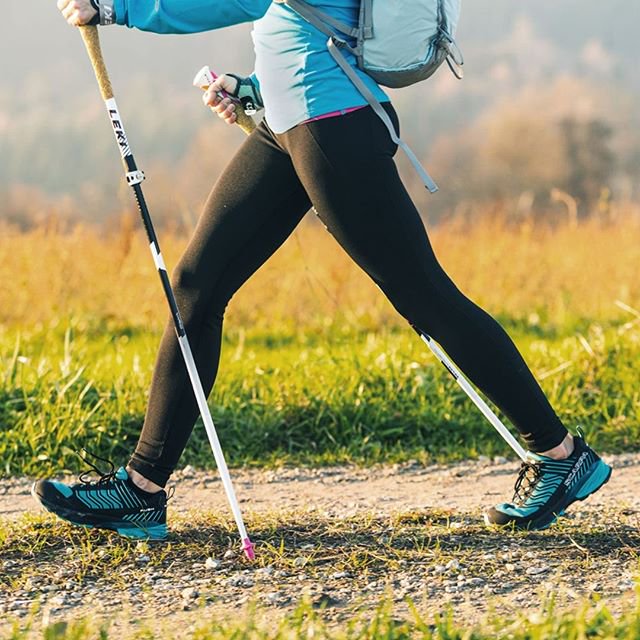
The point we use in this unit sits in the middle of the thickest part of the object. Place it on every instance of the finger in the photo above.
(232, 118)
(221, 106)
(62, 4)
(74, 20)
(211, 98)
(68, 10)
(216, 85)
(225, 114)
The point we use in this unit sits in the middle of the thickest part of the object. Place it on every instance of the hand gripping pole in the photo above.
(134, 178)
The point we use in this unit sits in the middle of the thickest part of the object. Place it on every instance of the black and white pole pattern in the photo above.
(134, 179)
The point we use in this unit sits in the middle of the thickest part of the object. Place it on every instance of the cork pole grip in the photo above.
(245, 122)
(92, 42)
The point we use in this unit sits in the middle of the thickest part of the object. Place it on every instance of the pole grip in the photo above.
(245, 122)
(91, 39)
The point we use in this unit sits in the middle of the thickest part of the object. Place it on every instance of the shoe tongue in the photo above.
(121, 474)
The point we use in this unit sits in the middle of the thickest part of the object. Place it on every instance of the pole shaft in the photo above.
(134, 178)
(473, 395)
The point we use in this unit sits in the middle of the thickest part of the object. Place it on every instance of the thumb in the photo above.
(225, 83)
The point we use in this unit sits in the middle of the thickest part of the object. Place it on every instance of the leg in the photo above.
(252, 209)
(346, 165)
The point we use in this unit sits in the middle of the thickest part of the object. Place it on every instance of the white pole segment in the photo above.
(211, 432)
(477, 400)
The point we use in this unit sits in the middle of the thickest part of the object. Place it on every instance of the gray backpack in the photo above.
(397, 42)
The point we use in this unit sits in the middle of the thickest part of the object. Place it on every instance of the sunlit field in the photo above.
(317, 366)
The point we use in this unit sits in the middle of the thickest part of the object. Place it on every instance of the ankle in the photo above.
(562, 451)
(143, 483)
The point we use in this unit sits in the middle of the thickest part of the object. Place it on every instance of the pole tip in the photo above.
(247, 547)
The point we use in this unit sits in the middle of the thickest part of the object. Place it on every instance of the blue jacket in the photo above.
(298, 78)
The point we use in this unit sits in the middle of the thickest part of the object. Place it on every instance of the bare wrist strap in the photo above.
(105, 14)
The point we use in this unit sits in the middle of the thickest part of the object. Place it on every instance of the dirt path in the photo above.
(344, 491)
(442, 556)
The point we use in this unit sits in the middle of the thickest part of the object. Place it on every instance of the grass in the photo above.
(317, 368)
(380, 624)
(360, 397)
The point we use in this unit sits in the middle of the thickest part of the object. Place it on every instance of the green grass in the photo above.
(309, 396)
(306, 622)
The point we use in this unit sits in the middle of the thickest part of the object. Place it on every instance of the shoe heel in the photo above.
(598, 476)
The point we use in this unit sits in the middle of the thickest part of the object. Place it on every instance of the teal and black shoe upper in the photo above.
(546, 487)
(110, 502)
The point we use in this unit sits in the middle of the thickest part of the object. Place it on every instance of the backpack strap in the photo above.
(366, 8)
(334, 46)
(320, 19)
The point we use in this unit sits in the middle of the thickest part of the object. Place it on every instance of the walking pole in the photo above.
(134, 178)
(203, 79)
(471, 392)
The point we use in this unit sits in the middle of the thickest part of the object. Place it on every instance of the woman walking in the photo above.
(319, 145)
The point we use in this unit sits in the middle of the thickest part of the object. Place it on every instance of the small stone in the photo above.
(499, 460)
(451, 589)
(338, 575)
(188, 471)
(299, 562)
(452, 565)
(212, 563)
(189, 593)
(143, 559)
(272, 597)
(229, 554)
(510, 566)
(536, 571)
(439, 569)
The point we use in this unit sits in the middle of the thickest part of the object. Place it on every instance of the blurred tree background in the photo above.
(545, 123)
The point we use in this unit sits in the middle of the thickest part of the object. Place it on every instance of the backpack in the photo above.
(397, 43)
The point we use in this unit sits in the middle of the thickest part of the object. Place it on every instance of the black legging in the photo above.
(344, 167)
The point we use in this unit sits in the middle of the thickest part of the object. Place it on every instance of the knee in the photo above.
(423, 301)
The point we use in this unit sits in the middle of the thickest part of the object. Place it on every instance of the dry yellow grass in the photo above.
(530, 273)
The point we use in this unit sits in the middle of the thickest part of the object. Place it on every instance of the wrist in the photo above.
(105, 14)
(248, 93)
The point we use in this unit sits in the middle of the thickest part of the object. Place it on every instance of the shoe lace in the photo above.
(104, 477)
(526, 482)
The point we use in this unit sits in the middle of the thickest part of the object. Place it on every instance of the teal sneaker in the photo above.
(111, 502)
(546, 487)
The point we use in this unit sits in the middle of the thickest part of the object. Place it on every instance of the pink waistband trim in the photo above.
(333, 114)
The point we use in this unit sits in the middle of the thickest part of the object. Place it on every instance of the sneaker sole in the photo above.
(597, 477)
(126, 529)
